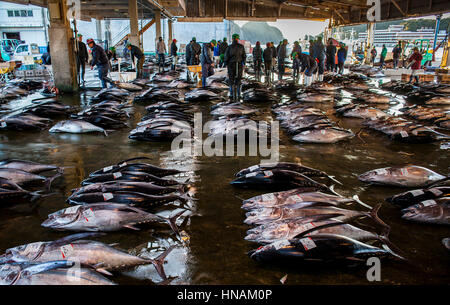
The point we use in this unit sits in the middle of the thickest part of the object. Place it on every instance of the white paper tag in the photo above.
(404, 171)
(404, 134)
(88, 214)
(296, 198)
(436, 192)
(108, 196)
(306, 226)
(117, 175)
(280, 244)
(107, 169)
(251, 175)
(427, 203)
(268, 173)
(66, 251)
(416, 193)
(123, 164)
(3, 124)
(308, 243)
(322, 131)
(252, 168)
(72, 210)
(268, 197)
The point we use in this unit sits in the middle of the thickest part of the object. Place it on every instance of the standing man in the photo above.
(319, 55)
(174, 54)
(216, 53)
(188, 60)
(235, 60)
(281, 57)
(100, 60)
(383, 56)
(342, 55)
(331, 55)
(295, 66)
(136, 52)
(267, 57)
(257, 60)
(82, 58)
(222, 48)
(206, 60)
(274, 58)
(415, 59)
(161, 50)
(125, 49)
(195, 52)
(296, 49)
(396, 52)
(373, 54)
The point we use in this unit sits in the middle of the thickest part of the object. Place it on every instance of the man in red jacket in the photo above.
(415, 59)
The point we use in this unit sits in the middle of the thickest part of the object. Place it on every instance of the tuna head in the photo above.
(62, 219)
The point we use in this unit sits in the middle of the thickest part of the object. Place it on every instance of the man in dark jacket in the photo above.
(396, 52)
(274, 58)
(82, 57)
(331, 55)
(222, 48)
(136, 52)
(196, 49)
(309, 67)
(257, 60)
(206, 60)
(235, 61)
(267, 57)
(296, 49)
(319, 54)
(100, 60)
(173, 53)
(281, 57)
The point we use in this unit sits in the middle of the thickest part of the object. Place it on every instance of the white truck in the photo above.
(27, 49)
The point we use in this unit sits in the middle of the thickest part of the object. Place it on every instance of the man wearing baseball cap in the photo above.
(100, 60)
(174, 54)
(235, 60)
(136, 52)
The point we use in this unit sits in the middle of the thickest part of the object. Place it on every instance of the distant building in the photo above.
(394, 33)
(23, 22)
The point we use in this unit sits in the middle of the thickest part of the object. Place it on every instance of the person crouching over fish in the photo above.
(207, 61)
(235, 61)
(100, 60)
(415, 59)
(309, 67)
(136, 52)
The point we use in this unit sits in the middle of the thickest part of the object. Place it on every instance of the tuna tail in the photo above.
(374, 215)
(384, 238)
(357, 200)
(48, 181)
(159, 261)
(438, 182)
(172, 221)
(331, 189)
(359, 133)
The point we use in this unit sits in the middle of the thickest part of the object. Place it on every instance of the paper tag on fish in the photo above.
(251, 175)
(72, 210)
(416, 193)
(123, 164)
(404, 134)
(117, 175)
(295, 198)
(268, 197)
(427, 203)
(88, 214)
(32, 248)
(435, 192)
(323, 131)
(280, 244)
(307, 226)
(107, 169)
(108, 196)
(308, 243)
(66, 250)
(252, 168)
(404, 171)
(3, 124)
(381, 171)
(268, 173)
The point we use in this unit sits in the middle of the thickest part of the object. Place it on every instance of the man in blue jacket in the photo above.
(100, 60)
(206, 60)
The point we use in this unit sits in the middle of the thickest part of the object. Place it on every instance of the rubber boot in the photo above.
(231, 93)
(238, 92)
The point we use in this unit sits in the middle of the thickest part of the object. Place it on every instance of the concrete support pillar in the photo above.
(369, 41)
(108, 32)
(133, 37)
(157, 26)
(170, 33)
(436, 31)
(98, 29)
(61, 47)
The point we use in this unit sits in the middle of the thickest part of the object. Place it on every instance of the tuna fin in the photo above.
(131, 227)
(356, 198)
(159, 261)
(74, 237)
(333, 179)
(103, 271)
(374, 215)
(106, 133)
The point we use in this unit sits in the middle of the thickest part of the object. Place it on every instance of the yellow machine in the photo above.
(197, 70)
(445, 54)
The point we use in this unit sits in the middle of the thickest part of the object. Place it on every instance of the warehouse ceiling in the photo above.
(341, 12)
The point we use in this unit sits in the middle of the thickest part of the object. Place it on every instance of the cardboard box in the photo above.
(444, 78)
